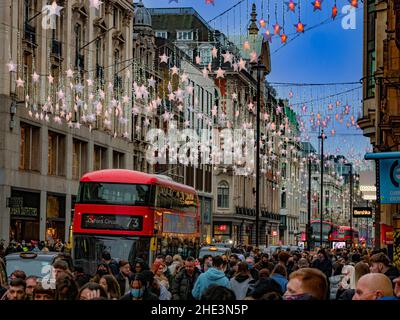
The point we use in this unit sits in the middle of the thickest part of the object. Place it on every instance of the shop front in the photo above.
(55, 218)
(222, 231)
(206, 209)
(24, 215)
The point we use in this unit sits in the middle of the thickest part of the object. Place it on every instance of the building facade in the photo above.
(51, 133)
(381, 106)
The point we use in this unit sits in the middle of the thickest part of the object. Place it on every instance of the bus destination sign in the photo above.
(112, 222)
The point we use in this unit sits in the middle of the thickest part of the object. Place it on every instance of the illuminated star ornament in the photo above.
(210, 2)
(263, 23)
(317, 4)
(19, 82)
(300, 27)
(95, 4)
(334, 11)
(54, 9)
(354, 3)
(220, 73)
(283, 37)
(253, 57)
(291, 6)
(277, 28)
(267, 36)
(164, 58)
(12, 67)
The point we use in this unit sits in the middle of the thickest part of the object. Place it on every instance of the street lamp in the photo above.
(322, 137)
(351, 201)
(259, 67)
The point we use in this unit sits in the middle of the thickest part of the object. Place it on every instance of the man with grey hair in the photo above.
(252, 269)
(374, 286)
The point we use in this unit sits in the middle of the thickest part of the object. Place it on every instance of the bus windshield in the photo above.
(88, 249)
(114, 193)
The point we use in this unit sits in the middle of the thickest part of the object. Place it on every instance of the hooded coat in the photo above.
(241, 285)
(212, 276)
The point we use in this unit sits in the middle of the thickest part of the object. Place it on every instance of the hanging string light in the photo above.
(300, 26)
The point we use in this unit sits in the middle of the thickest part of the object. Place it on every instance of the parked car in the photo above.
(214, 251)
(34, 263)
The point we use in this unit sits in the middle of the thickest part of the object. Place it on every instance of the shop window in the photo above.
(29, 158)
(79, 158)
(100, 158)
(118, 160)
(56, 154)
(55, 222)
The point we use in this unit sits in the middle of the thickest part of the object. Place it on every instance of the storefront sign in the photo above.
(387, 234)
(389, 181)
(24, 212)
(15, 202)
(112, 222)
(362, 213)
(222, 229)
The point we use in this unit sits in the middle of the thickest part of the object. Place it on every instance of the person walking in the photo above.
(111, 286)
(279, 274)
(123, 277)
(139, 290)
(184, 281)
(213, 276)
(242, 282)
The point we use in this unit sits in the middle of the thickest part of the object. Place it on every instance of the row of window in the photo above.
(182, 35)
(30, 153)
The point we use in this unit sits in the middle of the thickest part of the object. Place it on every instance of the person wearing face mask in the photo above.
(253, 270)
(138, 289)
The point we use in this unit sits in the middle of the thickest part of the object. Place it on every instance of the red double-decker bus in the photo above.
(133, 215)
(343, 234)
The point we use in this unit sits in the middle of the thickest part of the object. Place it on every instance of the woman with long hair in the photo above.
(111, 286)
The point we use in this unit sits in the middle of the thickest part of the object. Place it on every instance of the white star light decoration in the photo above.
(164, 58)
(95, 4)
(220, 73)
(12, 67)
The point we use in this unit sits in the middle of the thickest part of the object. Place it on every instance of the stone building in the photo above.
(49, 134)
(380, 121)
(234, 199)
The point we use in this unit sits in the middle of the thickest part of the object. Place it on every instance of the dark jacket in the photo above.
(254, 274)
(183, 285)
(114, 267)
(148, 295)
(346, 294)
(325, 266)
(392, 273)
(265, 265)
(122, 283)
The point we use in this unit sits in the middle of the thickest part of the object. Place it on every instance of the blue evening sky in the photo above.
(325, 54)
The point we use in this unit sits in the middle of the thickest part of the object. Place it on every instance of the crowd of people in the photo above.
(327, 274)
(34, 246)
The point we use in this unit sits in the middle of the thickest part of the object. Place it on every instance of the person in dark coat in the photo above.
(323, 263)
(263, 286)
(380, 263)
(264, 263)
(123, 277)
(184, 281)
